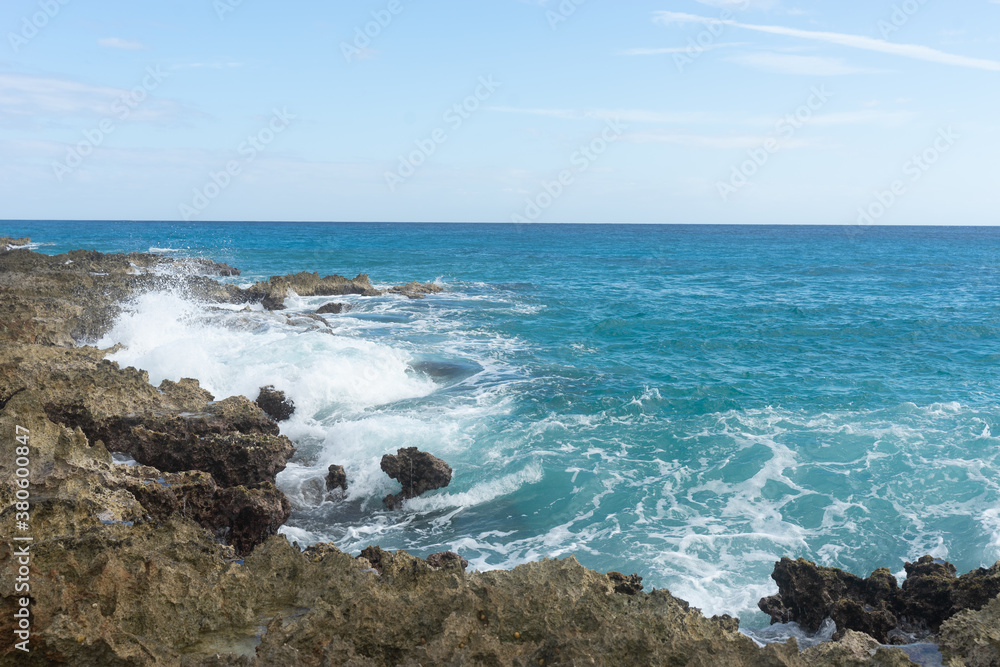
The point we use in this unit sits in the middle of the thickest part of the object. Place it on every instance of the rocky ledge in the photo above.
(174, 558)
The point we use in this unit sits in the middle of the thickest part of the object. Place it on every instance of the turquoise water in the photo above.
(689, 403)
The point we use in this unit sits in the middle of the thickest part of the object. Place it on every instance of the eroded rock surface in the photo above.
(275, 404)
(336, 478)
(417, 472)
(877, 606)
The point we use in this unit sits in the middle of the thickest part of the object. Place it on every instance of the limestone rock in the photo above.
(416, 290)
(447, 559)
(274, 403)
(333, 308)
(418, 472)
(336, 477)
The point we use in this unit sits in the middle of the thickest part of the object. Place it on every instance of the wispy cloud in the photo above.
(125, 44)
(913, 51)
(787, 63)
(625, 115)
(678, 49)
(708, 141)
(42, 101)
(742, 4)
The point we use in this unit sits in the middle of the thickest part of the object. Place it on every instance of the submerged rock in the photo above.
(416, 290)
(336, 477)
(333, 309)
(274, 403)
(418, 472)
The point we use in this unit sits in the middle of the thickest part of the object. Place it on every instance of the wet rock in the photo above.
(877, 606)
(447, 559)
(336, 477)
(416, 290)
(333, 309)
(418, 472)
(7, 243)
(274, 403)
(626, 584)
(272, 294)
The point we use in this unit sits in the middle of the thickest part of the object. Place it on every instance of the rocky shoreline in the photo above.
(176, 560)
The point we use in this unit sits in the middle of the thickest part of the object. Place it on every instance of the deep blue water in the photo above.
(686, 402)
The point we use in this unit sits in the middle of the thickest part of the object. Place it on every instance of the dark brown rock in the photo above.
(626, 584)
(415, 290)
(275, 404)
(373, 555)
(418, 472)
(447, 559)
(336, 477)
(333, 309)
(877, 606)
(808, 594)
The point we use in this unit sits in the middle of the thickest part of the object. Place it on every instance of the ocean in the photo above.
(690, 403)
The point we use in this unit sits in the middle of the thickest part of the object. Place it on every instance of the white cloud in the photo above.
(913, 51)
(625, 115)
(742, 4)
(708, 141)
(677, 49)
(116, 43)
(40, 100)
(787, 63)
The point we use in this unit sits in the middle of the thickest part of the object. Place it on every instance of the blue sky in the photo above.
(686, 111)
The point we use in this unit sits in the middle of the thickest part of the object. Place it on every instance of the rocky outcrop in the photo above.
(272, 293)
(417, 472)
(877, 606)
(415, 290)
(333, 308)
(275, 404)
(336, 478)
(447, 559)
(626, 584)
(7, 243)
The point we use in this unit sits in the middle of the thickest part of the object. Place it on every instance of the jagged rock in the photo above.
(877, 606)
(447, 559)
(808, 594)
(372, 555)
(418, 472)
(274, 403)
(416, 290)
(272, 293)
(6, 243)
(333, 309)
(626, 584)
(336, 477)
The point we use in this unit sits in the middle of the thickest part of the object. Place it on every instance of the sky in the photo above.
(673, 111)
